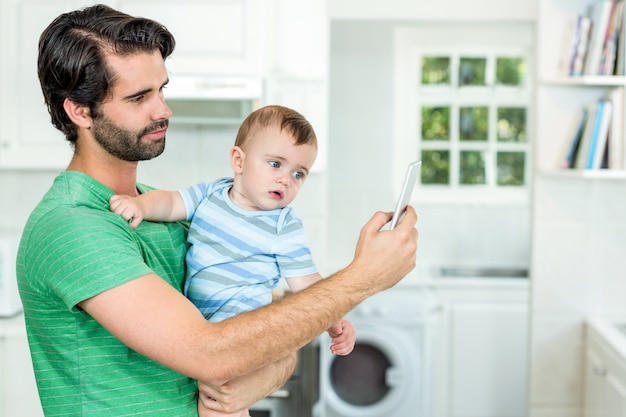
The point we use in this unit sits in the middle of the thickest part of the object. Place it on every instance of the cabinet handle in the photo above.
(599, 370)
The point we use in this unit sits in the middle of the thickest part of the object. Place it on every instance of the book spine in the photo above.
(570, 158)
(594, 136)
(616, 137)
(600, 16)
(582, 45)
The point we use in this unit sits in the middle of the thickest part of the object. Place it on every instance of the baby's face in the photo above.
(273, 170)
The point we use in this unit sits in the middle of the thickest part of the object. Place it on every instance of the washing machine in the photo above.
(388, 372)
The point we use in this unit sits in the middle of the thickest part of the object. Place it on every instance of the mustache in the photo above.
(157, 125)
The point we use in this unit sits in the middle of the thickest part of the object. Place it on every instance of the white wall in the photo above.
(416, 10)
(361, 163)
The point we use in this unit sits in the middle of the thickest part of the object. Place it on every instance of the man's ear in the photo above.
(237, 157)
(77, 113)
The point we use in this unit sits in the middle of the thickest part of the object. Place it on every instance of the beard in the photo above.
(127, 145)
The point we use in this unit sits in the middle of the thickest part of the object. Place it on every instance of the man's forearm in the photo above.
(381, 259)
(246, 390)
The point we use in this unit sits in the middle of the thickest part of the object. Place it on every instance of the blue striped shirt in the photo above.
(237, 256)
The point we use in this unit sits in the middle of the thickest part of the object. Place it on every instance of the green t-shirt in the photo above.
(73, 248)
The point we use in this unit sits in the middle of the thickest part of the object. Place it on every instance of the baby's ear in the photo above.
(237, 157)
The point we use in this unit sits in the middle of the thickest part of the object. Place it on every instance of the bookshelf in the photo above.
(577, 237)
(593, 174)
(561, 96)
(585, 81)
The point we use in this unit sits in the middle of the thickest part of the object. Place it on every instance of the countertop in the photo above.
(611, 330)
(431, 277)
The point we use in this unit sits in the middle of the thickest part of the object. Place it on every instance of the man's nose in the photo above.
(162, 111)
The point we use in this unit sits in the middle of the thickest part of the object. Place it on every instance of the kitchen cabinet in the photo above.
(481, 348)
(18, 391)
(296, 72)
(605, 378)
(216, 37)
(283, 42)
(27, 138)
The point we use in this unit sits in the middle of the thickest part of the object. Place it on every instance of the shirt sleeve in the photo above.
(193, 196)
(79, 253)
(293, 254)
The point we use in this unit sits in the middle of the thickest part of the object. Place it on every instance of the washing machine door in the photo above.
(375, 380)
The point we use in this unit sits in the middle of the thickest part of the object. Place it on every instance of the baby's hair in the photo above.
(274, 115)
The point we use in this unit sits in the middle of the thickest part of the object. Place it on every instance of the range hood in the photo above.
(212, 100)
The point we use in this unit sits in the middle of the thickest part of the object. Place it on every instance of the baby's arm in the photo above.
(342, 333)
(157, 205)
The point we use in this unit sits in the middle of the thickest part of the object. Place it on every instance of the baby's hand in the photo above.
(128, 208)
(343, 337)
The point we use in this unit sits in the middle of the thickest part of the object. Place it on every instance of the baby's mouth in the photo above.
(276, 195)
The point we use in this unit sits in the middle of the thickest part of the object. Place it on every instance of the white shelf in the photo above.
(603, 174)
(586, 81)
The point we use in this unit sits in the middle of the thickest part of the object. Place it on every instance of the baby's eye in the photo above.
(274, 164)
(298, 175)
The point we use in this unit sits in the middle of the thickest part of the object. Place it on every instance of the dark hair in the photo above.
(288, 119)
(72, 51)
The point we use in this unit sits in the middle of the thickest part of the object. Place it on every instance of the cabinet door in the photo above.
(605, 386)
(488, 360)
(595, 372)
(27, 138)
(20, 389)
(615, 396)
(216, 37)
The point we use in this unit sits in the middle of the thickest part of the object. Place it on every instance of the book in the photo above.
(600, 14)
(581, 40)
(599, 156)
(609, 54)
(616, 146)
(599, 136)
(585, 140)
(620, 59)
(572, 152)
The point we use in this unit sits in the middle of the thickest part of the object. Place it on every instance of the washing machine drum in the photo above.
(376, 379)
(361, 378)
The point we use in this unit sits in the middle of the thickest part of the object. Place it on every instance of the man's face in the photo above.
(131, 124)
(127, 144)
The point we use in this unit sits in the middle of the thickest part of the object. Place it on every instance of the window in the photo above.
(473, 120)
(466, 114)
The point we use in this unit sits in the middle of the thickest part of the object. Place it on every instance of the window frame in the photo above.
(410, 95)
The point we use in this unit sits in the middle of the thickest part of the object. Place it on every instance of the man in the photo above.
(109, 330)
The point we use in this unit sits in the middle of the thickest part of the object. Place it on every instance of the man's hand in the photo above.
(386, 256)
(242, 392)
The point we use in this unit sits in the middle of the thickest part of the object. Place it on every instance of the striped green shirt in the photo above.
(73, 248)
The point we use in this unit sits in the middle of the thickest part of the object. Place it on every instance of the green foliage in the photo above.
(436, 167)
(435, 123)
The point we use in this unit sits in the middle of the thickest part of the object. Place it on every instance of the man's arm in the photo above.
(248, 389)
(154, 319)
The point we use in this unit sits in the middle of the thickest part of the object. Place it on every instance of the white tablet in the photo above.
(407, 189)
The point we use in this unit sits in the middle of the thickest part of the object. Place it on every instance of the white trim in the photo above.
(408, 48)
